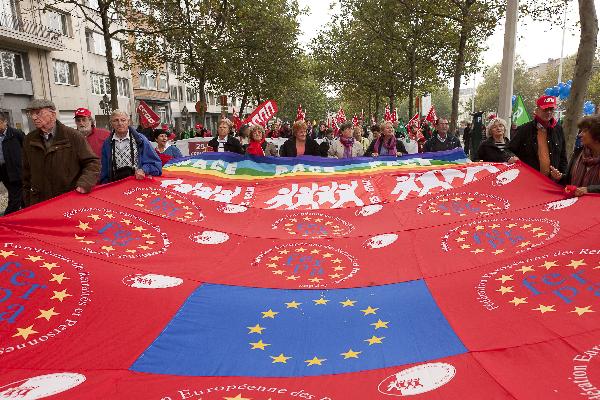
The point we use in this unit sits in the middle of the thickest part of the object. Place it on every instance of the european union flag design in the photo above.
(239, 331)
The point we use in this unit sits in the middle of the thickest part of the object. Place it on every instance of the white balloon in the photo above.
(379, 241)
(41, 386)
(233, 209)
(151, 281)
(369, 210)
(417, 380)
(557, 205)
(210, 237)
(506, 177)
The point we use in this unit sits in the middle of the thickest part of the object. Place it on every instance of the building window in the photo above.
(95, 44)
(57, 22)
(147, 80)
(211, 98)
(101, 85)
(173, 92)
(162, 113)
(64, 72)
(180, 93)
(93, 4)
(123, 87)
(175, 69)
(162, 82)
(191, 95)
(11, 65)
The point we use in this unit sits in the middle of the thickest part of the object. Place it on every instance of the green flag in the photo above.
(520, 115)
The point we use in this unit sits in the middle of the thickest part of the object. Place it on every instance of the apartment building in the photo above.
(58, 55)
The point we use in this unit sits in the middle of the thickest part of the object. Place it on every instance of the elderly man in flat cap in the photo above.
(56, 158)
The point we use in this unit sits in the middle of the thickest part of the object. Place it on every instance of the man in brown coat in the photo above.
(56, 158)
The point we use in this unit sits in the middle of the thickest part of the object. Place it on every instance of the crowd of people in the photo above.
(54, 159)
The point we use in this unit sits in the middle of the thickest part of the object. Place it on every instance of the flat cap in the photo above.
(37, 104)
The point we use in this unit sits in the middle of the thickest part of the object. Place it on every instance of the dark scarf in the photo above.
(586, 170)
(348, 142)
(389, 146)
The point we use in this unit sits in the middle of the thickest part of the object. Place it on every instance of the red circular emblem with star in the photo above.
(116, 234)
(312, 225)
(463, 204)
(500, 236)
(548, 285)
(42, 295)
(165, 203)
(309, 265)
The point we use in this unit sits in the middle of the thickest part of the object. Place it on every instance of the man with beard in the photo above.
(94, 136)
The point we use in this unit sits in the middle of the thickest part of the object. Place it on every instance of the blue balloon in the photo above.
(570, 82)
(588, 108)
(514, 98)
(548, 91)
(555, 90)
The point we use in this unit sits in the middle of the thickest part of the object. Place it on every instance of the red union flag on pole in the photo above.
(414, 121)
(387, 116)
(148, 118)
(431, 115)
(262, 114)
(300, 115)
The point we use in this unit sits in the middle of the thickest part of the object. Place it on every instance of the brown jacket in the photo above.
(68, 163)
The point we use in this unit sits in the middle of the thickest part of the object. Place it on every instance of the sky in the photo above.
(536, 41)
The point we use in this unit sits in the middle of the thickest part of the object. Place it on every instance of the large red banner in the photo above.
(262, 114)
(148, 118)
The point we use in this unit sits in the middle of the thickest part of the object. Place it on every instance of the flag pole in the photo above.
(508, 61)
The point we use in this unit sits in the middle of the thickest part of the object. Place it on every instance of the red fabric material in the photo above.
(255, 148)
(96, 139)
(148, 118)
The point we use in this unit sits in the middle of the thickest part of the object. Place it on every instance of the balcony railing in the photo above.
(12, 22)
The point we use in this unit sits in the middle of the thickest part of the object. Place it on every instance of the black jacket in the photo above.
(524, 145)
(12, 149)
(288, 148)
(435, 144)
(233, 145)
(566, 179)
(488, 151)
(371, 149)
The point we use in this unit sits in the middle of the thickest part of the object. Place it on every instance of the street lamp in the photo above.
(105, 105)
(184, 115)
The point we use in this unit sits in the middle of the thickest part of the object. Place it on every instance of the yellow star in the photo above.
(464, 232)
(460, 239)
(336, 261)
(58, 278)
(334, 276)
(5, 253)
(350, 354)
(494, 226)
(315, 361)
(143, 247)
(320, 301)
(511, 225)
(280, 359)
(292, 304)
(327, 255)
(25, 332)
(381, 324)
(278, 272)
(315, 280)
(259, 345)
(315, 251)
(131, 251)
(126, 221)
(108, 248)
(505, 278)
(84, 226)
(256, 329)
(348, 303)
(465, 246)
(292, 277)
(147, 235)
(524, 244)
(505, 289)
(139, 228)
(60, 295)
(479, 227)
(47, 314)
(534, 230)
(95, 217)
(301, 249)
(284, 251)
(477, 251)
(306, 218)
(108, 215)
(369, 310)
(525, 226)
(541, 234)
(50, 266)
(339, 268)
(525, 269)
(499, 251)
(582, 310)
(269, 314)
(34, 258)
(576, 263)
(374, 340)
(549, 264)
(238, 397)
(518, 300)
(275, 258)
(544, 309)
(318, 219)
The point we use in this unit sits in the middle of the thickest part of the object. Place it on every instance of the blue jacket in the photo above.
(148, 160)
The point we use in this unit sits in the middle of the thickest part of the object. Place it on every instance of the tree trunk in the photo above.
(459, 66)
(411, 84)
(243, 105)
(583, 70)
(377, 107)
(202, 94)
(110, 63)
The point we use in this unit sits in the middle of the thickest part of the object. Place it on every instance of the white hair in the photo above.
(494, 122)
(118, 112)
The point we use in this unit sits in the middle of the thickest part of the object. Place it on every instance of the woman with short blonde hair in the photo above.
(300, 143)
(495, 147)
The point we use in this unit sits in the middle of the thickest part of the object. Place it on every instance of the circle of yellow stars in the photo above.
(334, 226)
(487, 206)
(507, 287)
(276, 263)
(536, 231)
(57, 298)
(187, 213)
(282, 358)
(149, 240)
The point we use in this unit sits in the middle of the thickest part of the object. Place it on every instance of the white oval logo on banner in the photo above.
(557, 205)
(506, 177)
(369, 210)
(232, 209)
(41, 386)
(151, 281)
(210, 237)
(417, 380)
(379, 241)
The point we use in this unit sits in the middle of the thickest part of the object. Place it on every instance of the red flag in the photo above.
(414, 121)
(431, 115)
(262, 114)
(394, 115)
(300, 115)
(355, 120)
(341, 116)
(148, 118)
(387, 116)
(237, 122)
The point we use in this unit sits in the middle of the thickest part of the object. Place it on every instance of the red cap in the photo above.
(165, 127)
(171, 136)
(546, 102)
(83, 112)
(198, 126)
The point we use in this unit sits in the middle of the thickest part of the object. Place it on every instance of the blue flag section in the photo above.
(238, 331)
